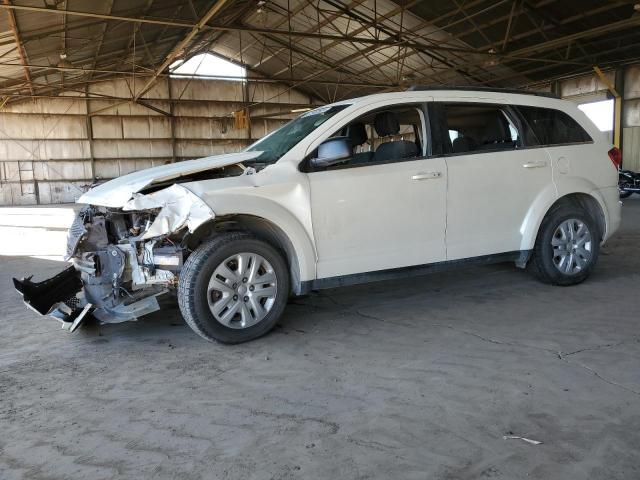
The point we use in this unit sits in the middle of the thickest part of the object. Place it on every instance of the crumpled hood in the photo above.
(117, 192)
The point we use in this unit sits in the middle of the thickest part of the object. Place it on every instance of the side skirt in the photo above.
(518, 256)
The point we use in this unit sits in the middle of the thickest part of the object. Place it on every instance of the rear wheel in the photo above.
(566, 248)
(233, 288)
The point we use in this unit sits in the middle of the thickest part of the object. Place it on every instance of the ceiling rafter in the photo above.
(313, 29)
(330, 21)
(301, 43)
(117, 55)
(488, 47)
(447, 58)
(260, 30)
(18, 41)
(136, 28)
(102, 34)
(547, 27)
(522, 54)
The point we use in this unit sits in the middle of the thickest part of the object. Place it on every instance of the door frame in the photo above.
(421, 106)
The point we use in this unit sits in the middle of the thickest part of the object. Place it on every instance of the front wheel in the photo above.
(233, 288)
(566, 248)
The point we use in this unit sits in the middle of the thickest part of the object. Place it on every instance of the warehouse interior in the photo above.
(412, 378)
(87, 92)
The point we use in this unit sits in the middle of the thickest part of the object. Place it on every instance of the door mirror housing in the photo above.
(332, 151)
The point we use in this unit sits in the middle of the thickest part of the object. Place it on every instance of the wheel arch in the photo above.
(297, 255)
(591, 202)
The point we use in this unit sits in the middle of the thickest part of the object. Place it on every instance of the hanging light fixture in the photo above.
(64, 63)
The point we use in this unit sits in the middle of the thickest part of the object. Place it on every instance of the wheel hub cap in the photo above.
(572, 246)
(242, 290)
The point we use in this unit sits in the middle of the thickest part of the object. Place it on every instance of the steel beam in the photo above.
(630, 22)
(89, 125)
(294, 12)
(117, 18)
(523, 53)
(16, 35)
(511, 55)
(181, 46)
(145, 73)
(102, 35)
(234, 28)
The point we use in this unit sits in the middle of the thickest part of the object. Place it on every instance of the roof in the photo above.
(498, 95)
(466, 88)
(331, 49)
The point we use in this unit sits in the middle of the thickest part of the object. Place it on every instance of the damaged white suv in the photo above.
(361, 190)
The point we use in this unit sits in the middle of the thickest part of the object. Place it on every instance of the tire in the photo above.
(222, 254)
(546, 261)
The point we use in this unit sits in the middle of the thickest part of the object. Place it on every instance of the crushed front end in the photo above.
(122, 259)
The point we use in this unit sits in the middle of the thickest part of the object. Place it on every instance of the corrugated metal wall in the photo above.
(590, 89)
(631, 120)
(631, 149)
(52, 148)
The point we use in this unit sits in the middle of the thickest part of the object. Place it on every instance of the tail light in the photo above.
(616, 157)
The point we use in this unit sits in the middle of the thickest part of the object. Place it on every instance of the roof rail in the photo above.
(467, 88)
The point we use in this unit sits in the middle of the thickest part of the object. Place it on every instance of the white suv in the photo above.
(362, 190)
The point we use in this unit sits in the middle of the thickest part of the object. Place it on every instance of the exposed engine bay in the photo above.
(122, 258)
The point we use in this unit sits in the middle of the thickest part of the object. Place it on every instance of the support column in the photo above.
(87, 103)
(172, 119)
(246, 104)
(618, 119)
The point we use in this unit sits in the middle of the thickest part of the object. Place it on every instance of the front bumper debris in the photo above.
(122, 259)
(63, 297)
(56, 297)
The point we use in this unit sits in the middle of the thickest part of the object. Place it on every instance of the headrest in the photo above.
(357, 133)
(386, 123)
(495, 131)
(463, 144)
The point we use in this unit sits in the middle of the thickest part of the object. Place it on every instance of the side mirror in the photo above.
(333, 151)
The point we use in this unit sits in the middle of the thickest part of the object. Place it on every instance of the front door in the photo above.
(385, 207)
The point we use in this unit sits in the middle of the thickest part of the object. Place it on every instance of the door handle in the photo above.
(426, 176)
(538, 164)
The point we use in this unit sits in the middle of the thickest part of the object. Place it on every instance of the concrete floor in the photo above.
(412, 379)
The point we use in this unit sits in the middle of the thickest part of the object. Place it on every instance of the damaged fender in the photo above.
(179, 208)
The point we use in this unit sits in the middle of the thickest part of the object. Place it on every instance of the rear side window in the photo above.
(547, 126)
(475, 128)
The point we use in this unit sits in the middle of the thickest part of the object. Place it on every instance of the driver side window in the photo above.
(385, 135)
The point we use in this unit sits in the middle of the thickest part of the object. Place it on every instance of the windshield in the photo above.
(280, 141)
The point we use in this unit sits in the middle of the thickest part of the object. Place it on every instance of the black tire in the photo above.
(195, 276)
(541, 264)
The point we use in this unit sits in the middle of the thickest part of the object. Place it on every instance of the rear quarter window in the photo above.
(548, 126)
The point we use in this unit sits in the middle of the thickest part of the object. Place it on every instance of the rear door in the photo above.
(573, 153)
(492, 178)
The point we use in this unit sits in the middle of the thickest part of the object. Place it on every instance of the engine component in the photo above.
(168, 257)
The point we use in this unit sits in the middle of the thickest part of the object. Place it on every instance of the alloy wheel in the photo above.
(572, 246)
(242, 290)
